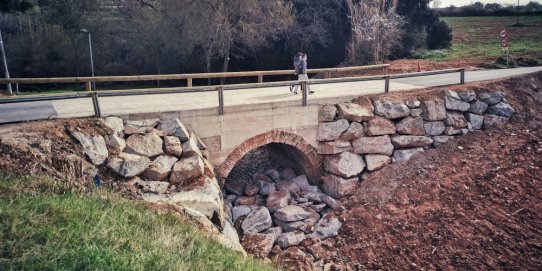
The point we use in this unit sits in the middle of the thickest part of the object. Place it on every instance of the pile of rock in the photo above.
(277, 210)
(365, 136)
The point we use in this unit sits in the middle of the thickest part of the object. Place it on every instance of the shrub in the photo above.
(439, 35)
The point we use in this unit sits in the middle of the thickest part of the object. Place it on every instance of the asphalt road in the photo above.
(178, 102)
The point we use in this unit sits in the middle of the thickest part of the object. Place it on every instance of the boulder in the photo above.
(326, 227)
(318, 207)
(152, 187)
(236, 187)
(373, 145)
(380, 126)
(258, 244)
(115, 124)
(501, 109)
(251, 190)
(199, 142)
(187, 169)
(413, 103)
(491, 98)
(248, 201)
(93, 146)
(289, 186)
(452, 94)
(301, 181)
(456, 104)
(433, 109)
(456, 120)
(174, 127)
(377, 162)
(467, 96)
(128, 165)
(391, 110)
(329, 131)
(131, 130)
(355, 112)
(401, 142)
(273, 174)
(327, 113)
(434, 128)
(115, 142)
(291, 213)
(439, 140)
(275, 232)
(148, 145)
(475, 120)
(287, 174)
(478, 107)
(277, 200)
(160, 168)
(190, 148)
(333, 147)
(172, 146)
(345, 164)
(267, 189)
(451, 131)
(415, 112)
(411, 126)
(257, 221)
(355, 131)
(150, 123)
(405, 155)
(289, 239)
(494, 121)
(338, 187)
(239, 211)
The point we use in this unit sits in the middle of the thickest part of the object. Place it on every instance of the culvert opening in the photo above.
(268, 192)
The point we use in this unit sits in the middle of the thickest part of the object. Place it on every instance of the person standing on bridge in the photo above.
(300, 65)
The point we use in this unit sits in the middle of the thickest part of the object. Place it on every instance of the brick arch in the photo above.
(309, 158)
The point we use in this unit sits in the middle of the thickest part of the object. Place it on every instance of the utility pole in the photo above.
(517, 23)
(6, 71)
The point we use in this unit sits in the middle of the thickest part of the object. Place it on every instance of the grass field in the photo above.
(44, 226)
(478, 38)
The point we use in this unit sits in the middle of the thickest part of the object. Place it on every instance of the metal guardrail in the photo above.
(221, 88)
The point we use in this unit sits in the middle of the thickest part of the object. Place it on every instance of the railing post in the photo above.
(462, 74)
(387, 84)
(260, 78)
(328, 75)
(220, 90)
(17, 88)
(304, 92)
(189, 82)
(96, 103)
(88, 86)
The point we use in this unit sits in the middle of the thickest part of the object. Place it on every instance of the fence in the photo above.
(94, 95)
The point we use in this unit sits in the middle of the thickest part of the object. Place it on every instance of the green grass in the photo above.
(45, 226)
(478, 38)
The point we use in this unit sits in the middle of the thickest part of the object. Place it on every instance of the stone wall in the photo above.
(162, 163)
(368, 134)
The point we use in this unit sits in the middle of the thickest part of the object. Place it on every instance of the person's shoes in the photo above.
(291, 88)
(311, 92)
(295, 92)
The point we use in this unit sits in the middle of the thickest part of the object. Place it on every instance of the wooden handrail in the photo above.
(188, 76)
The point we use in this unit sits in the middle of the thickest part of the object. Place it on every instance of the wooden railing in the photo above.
(189, 77)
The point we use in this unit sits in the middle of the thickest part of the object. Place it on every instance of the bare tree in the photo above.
(376, 29)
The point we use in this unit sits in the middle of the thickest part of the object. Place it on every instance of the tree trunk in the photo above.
(225, 66)
(208, 63)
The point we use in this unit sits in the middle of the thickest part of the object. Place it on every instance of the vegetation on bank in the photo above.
(46, 226)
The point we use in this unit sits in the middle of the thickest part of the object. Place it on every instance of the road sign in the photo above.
(504, 43)
(503, 34)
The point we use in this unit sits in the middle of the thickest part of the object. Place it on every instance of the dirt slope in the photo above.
(474, 203)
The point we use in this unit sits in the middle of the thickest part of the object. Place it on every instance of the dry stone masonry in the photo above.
(166, 164)
(367, 135)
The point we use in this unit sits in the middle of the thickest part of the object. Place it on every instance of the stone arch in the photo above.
(298, 148)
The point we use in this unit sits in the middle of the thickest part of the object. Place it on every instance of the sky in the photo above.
(458, 3)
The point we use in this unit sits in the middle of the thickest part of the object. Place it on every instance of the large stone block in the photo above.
(456, 120)
(258, 244)
(128, 165)
(327, 113)
(467, 96)
(174, 127)
(257, 221)
(172, 146)
(411, 126)
(277, 200)
(475, 120)
(338, 187)
(329, 131)
(377, 162)
(433, 109)
(289, 239)
(116, 124)
(401, 142)
(190, 148)
(434, 128)
(93, 146)
(355, 131)
(373, 145)
(345, 164)
(478, 107)
(326, 227)
(160, 168)
(405, 155)
(491, 98)
(355, 112)
(333, 147)
(494, 121)
(390, 109)
(457, 104)
(187, 169)
(380, 126)
(115, 142)
(501, 109)
(439, 140)
(145, 145)
(291, 213)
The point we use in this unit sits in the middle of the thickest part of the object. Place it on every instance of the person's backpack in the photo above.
(298, 65)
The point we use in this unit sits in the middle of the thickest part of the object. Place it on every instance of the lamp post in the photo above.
(6, 71)
(91, 57)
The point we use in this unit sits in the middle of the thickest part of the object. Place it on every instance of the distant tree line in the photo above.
(491, 9)
(43, 38)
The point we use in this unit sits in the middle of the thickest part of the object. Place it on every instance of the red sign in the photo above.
(504, 43)
(503, 34)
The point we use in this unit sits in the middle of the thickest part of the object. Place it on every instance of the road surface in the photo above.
(82, 107)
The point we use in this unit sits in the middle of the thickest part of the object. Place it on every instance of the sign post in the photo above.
(505, 46)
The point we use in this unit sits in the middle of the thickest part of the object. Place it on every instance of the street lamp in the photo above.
(91, 57)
